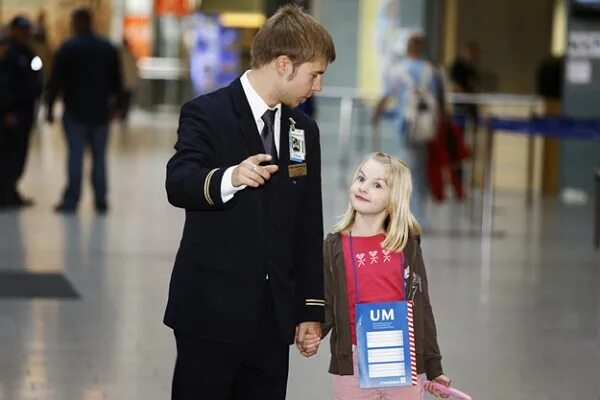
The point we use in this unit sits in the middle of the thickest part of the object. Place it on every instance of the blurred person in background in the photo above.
(7, 123)
(413, 81)
(308, 107)
(130, 78)
(87, 74)
(465, 78)
(447, 151)
(26, 76)
(41, 45)
(549, 77)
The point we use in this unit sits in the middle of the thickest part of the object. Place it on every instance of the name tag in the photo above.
(296, 170)
(297, 145)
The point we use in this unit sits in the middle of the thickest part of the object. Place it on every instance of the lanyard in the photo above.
(355, 270)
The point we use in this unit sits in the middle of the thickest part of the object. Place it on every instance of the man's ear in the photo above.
(283, 65)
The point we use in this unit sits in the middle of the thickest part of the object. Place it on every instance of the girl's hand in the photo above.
(442, 380)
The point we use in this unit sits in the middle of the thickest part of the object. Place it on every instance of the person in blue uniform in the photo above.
(27, 83)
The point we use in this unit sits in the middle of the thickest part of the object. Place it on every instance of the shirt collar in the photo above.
(257, 104)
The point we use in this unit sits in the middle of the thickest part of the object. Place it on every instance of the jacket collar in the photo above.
(247, 124)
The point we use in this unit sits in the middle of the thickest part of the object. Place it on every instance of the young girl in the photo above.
(377, 240)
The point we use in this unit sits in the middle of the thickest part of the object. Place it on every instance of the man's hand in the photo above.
(249, 172)
(308, 338)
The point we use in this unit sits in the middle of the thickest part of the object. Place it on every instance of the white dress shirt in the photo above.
(258, 107)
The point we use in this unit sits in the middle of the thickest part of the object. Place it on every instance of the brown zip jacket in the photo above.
(337, 319)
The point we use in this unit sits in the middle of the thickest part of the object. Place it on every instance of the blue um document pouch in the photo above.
(385, 342)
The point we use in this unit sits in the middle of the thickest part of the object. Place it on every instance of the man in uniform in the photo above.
(248, 276)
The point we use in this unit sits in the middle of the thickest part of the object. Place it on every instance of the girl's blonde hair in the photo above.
(400, 223)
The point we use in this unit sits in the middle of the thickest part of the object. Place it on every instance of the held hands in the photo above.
(308, 338)
(249, 172)
(443, 380)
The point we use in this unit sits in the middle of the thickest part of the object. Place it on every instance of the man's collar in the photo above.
(257, 104)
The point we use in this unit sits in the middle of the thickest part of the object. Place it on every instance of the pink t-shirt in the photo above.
(380, 273)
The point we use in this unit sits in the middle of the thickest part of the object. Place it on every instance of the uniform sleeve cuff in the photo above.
(227, 188)
(433, 368)
(313, 310)
(212, 187)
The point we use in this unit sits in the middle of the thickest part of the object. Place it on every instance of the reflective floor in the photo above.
(518, 315)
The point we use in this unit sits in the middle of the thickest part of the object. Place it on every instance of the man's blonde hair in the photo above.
(292, 32)
(400, 223)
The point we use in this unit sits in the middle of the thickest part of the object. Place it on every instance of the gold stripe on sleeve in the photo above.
(207, 187)
(315, 301)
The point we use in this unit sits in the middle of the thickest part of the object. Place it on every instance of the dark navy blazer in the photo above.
(227, 249)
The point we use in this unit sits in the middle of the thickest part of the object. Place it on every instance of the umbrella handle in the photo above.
(450, 391)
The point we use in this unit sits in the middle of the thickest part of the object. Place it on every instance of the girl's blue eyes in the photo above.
(361, 179)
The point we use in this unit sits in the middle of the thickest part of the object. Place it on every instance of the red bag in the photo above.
(446, 152)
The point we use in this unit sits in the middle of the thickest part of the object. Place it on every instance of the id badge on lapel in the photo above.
(297, 143)
(385, 345)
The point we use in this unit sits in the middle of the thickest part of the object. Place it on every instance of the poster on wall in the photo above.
(214, 58)
(137, 29)
(171, 7)
(579, 72)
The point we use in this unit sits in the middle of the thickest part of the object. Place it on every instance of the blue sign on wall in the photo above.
(214, 58)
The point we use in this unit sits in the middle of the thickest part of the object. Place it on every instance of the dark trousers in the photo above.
(79, 133)
(6, 160)
(24, 126)
(15, 147)
(212, 370)
(127, 101)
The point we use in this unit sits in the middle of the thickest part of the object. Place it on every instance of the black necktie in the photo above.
(268, 134)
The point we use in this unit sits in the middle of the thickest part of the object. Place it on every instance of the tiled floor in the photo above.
(518, 315)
